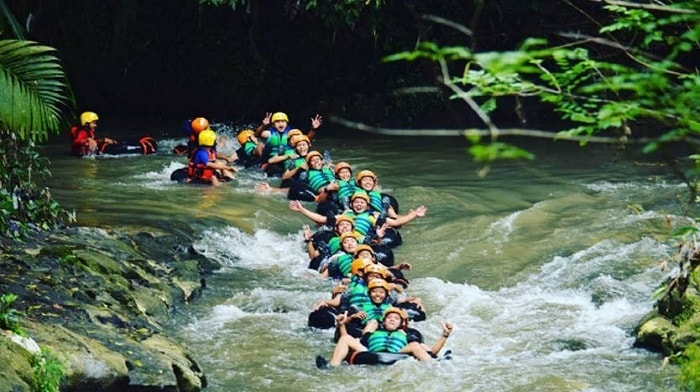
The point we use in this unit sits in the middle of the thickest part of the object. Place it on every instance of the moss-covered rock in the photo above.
(99, 302)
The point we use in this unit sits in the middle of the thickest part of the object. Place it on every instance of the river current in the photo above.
(545, 267)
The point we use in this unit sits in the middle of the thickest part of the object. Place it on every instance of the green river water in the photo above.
(544, 267)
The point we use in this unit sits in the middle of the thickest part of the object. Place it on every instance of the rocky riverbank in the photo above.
(100, 302)
(674, 324)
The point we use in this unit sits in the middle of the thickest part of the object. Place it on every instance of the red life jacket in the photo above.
(200, 172)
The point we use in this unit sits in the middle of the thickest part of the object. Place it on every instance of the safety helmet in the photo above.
(207, 138)
(364, 247)
(312, 154)
(376, 268)
(294, 132)
(365, 173)
(88, 117)
(402, 313)
(348, 235)
(358, 265)
(244, 135)
(361, 195)
(199, 124)
(374, 283)
(344, 218)
(341, 165)
(279, 116)
(299, 138)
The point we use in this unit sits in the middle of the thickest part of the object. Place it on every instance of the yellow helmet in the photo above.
(207, 138)
(358, 265)
(365, 173)
(366, 247)
(299, 138)
(244, 135)
(279, 116)
(361, 195)
(88, 117)
(402, 313)
(341, 165)
(374, 283)
(199, 124)
(376, 268)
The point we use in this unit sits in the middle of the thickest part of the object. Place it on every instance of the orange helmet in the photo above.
(293, 132)
(299, 138)
(376, 268)
(358, 265)
(361, 195)
(244, 135)
(348, 235)
(312, 154)
(341, 165)
(344, 218)
(402, 313)
(364, 247)
(374, 283)
(199, 124)
(365, 173)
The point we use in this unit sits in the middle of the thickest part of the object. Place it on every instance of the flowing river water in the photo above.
(544, 267)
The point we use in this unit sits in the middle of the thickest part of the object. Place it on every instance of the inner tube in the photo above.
(179, 175)
(370, 358)
(144, 146)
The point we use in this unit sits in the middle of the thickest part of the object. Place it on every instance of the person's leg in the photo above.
(343, 347)
(415, 349)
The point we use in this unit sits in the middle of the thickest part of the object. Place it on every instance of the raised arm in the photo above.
(295, 205)
(419, 212)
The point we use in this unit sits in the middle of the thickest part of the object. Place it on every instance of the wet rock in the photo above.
(99, 302)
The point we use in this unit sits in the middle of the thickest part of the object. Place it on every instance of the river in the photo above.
(544, 267)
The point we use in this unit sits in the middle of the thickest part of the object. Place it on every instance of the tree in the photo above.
(33, 96)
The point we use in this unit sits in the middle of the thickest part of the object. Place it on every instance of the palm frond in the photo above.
(33, 89)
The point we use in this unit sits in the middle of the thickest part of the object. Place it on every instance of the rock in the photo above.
(656, 334)
(89, 365)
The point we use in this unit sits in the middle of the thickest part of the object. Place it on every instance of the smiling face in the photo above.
(367, 183)
(377, 295)
(316, 162)
(344, 174)
(302, 148)
(359, 205)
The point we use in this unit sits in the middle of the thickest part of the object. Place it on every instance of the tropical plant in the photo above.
(34, 94)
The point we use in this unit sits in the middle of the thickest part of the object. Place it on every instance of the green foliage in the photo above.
(33, 97)
(10, 317)
(34, 90)
(48, 372)
(690, 368)
(643, 82)
(23, 208)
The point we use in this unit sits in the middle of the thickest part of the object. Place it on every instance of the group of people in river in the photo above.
(352, 241)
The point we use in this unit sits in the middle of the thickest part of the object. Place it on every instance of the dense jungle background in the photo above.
(182, 58)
